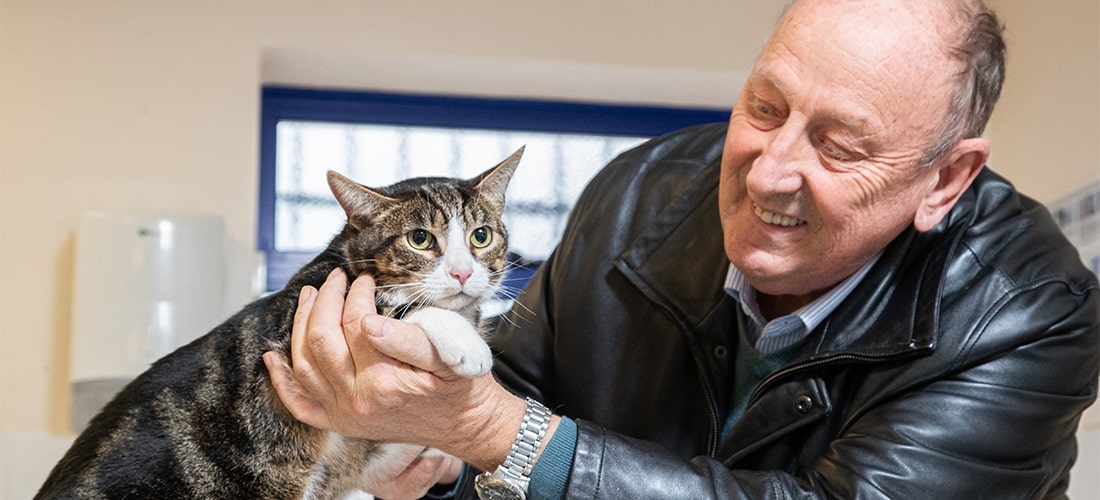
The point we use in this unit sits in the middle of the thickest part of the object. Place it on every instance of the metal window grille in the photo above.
(380, 138)
(554, 170)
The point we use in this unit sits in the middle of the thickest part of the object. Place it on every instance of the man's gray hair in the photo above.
(979, 48)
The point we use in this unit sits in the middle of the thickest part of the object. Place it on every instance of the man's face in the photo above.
(820, 168)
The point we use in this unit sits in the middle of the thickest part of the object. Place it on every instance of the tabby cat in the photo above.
(205, 421)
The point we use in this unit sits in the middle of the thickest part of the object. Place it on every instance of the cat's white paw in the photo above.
(455, 339)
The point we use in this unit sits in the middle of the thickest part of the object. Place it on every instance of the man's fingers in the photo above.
(360, 304)
(418, 477)
(360, 300)
(299, 355)
(422, 474)
(300, 404)
(404, 342)
(324, 334)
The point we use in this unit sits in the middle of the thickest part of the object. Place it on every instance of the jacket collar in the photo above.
(679, 261)
(893, 309)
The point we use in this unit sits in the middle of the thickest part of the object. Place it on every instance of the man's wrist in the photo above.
(510, 480)
(494, 424)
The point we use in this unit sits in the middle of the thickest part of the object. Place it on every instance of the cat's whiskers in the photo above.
(508, 266)
(396, 285)
(395, 295)
(505, 317)
(335, 252)
(419, 299)
(404, 292)
(508, 293)
(512, 296)
(409, 293)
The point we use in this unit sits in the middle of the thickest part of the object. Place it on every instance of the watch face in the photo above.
(489, 488)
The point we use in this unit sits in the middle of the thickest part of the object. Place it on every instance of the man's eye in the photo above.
(765, 114)
(831, 150)
(762, 110)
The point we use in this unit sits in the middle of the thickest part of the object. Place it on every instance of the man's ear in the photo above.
(952, 176)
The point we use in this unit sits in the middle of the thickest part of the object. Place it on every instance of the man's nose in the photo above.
(778, 168)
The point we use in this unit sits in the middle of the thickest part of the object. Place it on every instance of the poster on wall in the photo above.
(1078, 213)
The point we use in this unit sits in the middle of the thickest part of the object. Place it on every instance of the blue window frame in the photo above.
(288, 105)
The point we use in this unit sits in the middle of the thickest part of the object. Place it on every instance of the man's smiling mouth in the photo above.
(777, 219)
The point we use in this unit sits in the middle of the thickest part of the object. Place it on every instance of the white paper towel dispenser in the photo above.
(144, 284)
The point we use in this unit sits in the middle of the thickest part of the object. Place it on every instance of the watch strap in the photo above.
(511, 479)
(523, 454)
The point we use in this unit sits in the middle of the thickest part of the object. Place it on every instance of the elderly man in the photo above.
(827, 298)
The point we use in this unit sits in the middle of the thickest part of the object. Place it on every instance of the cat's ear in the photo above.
(359, 202)
(494, 181)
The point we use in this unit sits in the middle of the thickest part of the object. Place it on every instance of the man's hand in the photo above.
(413, 474)
(360, 374)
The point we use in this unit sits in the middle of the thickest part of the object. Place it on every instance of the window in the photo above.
(377, 139)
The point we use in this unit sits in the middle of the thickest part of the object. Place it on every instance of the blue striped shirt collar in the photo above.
(785, 331)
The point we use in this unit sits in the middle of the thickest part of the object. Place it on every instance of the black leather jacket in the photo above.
(958, 368)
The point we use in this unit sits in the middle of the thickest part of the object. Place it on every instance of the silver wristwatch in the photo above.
(510, 480)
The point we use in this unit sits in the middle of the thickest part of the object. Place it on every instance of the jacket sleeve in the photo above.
(609, 465)
(998, 420)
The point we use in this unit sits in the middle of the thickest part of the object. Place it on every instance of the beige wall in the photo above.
(1046, 129)
(133, 104)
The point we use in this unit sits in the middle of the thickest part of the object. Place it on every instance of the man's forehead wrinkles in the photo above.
(847, 112)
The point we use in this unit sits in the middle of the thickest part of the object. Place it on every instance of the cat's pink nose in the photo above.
(461, 275)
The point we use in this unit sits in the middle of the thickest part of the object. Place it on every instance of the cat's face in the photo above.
(429, 241)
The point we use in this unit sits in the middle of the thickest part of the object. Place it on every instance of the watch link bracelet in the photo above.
(510, 480)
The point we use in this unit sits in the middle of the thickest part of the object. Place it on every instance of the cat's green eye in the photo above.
(420, 239)
(481, 237)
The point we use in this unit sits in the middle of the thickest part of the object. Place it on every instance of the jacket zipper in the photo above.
(701, 371)
(712, 405)
(783, 372)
